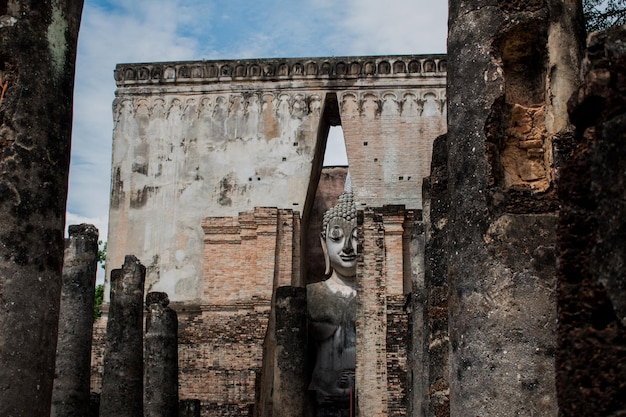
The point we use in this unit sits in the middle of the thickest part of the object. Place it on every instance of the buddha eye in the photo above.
(336, 233)
(354, 234)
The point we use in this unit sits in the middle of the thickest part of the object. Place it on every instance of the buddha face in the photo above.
(341, 245)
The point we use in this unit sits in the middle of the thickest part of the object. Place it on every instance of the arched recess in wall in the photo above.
(329, 140)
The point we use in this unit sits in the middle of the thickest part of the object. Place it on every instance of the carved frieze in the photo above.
(289, 68)
(218, 106)
(429, 102)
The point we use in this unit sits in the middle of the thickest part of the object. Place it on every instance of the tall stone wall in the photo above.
(506, 105)
(198, 139)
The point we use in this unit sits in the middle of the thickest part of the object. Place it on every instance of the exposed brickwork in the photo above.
(397, 342)
(97, 350)
(246, 258)
(220, 355)
(382, 323)
(371, 321)
(387, 158)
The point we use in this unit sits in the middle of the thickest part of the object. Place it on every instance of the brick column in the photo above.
(371, 318)
(160, 358)
(122, 380)
(70, 394)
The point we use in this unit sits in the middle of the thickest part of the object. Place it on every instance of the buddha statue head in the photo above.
(339, 236)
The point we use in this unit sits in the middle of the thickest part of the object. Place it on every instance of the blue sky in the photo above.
(121, 31)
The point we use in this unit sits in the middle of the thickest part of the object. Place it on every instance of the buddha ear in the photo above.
(326, 258)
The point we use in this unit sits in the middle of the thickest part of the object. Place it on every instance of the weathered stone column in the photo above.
(290, 382)
(70, 395)
(38, 44)
(160, 358)
(591, 355)
(508, 76)
(437, 282)
(430, 388)
(122, 379)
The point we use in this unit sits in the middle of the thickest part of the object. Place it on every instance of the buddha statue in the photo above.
(331, 311)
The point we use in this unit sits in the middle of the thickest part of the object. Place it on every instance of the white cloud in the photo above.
(138, 31)
(396, 26)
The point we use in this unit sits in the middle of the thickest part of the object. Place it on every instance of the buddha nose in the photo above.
(348, 245)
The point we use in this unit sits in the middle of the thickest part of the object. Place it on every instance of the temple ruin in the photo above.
(488, 190)
(216, 165)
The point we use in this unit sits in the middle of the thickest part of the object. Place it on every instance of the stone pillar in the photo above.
(290, 376)
(38, 44)
(591, 355)
(503, 117)
(70, 395)
(161, 358)
(436, 401)
(122, 379)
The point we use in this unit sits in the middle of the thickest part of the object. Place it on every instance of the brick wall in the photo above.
(220, 355)
(397, 341)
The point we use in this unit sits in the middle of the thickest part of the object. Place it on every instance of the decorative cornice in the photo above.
(273, 69)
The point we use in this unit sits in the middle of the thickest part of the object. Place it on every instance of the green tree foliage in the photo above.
(99, 295)
(98, 301)
(603, 14)
(102, 253)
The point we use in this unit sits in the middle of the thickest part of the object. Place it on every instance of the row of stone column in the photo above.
(140, 371)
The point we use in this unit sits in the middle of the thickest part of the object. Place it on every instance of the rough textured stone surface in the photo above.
(436, 401)
(287, 357)
(502, 213)
(160, 358)
(70, 394)
(223, 137)
(591, 355)
(415, 313)
(122, 380)
(37, 54)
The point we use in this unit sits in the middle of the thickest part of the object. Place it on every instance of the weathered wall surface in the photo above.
(591, 355)
(504, 111)
(201, 139)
